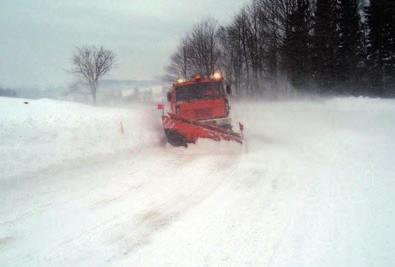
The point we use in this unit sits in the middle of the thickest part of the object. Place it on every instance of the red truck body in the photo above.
(199, 100)
(199, 108)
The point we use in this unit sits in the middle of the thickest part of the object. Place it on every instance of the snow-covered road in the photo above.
(316, 187)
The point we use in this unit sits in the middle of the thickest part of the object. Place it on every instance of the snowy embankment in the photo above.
(46, 134)
(316, 187)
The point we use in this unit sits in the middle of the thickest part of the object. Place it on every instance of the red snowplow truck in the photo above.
(199, 108)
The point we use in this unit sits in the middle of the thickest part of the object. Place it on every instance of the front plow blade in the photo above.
(180, 131)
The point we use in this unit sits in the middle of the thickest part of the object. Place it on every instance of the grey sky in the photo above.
(38, 36)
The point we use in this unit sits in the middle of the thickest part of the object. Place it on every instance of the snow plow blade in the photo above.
(180, 131)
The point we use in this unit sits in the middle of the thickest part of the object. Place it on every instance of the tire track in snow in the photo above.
(161, 213)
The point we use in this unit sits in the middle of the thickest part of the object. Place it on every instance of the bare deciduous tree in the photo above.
(179, 64)
(90, 64)
(203, 47)
(198, 53)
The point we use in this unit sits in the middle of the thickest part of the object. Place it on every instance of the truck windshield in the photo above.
(199, 91)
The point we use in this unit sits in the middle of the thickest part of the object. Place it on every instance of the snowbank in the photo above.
(44, 134)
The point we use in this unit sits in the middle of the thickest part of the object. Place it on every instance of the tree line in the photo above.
(7, 92)
(318, 46)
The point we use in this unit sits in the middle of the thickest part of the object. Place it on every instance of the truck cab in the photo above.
(203, 100)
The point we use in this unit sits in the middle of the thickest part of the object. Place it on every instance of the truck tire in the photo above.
(175, 139)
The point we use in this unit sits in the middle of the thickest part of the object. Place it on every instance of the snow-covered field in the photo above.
(94, 186)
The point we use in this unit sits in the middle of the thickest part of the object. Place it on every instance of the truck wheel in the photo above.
(175, 139)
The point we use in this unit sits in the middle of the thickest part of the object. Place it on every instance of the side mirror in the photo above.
(228, 89)
(169, 96)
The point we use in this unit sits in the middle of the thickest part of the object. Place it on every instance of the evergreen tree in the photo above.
(297, 45)
(381, 45)
(324, 44)
(349, 47)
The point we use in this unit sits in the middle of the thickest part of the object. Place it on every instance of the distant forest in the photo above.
(7, 92)
(343, 47)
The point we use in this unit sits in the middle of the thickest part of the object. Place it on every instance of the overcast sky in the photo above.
(37, 37)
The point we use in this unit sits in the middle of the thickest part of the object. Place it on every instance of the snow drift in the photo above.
(316, 187)
(44, 133)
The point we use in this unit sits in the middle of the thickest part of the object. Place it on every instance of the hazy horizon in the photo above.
(38, 37)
